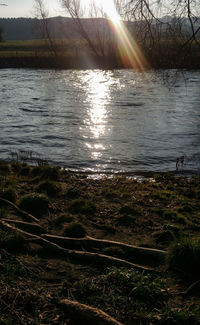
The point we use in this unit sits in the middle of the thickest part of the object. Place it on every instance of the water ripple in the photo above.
(102, 120)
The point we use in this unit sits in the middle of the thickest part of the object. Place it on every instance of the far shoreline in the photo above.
(83, 63)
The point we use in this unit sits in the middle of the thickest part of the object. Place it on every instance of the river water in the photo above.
(106, 121)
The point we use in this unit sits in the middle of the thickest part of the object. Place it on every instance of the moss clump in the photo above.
(25, 170)
(4, 168)
(9, 194)
(47, 172)
(82, 206)
(11, 242)
(73, 193)
(126, 220)
(185, 209)
(184, 257)
(75, 230)
(128, 210)
(49, 187)
(34, 203)
(163, 237)
(174, 216)
(63, 218)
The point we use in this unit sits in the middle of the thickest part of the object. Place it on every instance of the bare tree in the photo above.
(164, 26)
(42, 15)
(99, 35)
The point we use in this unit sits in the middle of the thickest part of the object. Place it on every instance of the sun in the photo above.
(109, 8)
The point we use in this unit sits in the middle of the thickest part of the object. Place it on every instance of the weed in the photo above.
(198, 194)
(25, 170)
(128, 210)
(163, 237)
(108, 228)
(62, 219)
(82, 206)
(184, 257)
(172, 228)
(183, 316)
(9, 194)
(49, 187)
(139, 286)
(4, 168)
(75, 230)
(189, 193)
(46, 172)
(126, 220)
(73, 193)
(34, 203)
(11, 242)
(174, 216)
(109, 193)
(3, 213)
(185, 209)
(170, 187)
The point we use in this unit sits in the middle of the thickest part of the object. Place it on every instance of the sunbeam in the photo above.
(129, 50)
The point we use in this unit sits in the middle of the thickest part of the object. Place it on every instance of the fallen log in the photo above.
(77, 256)
(88, 242)
(86, 314)
(24, 214)
(27, 226)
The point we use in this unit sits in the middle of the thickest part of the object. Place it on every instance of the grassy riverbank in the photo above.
(134, 286)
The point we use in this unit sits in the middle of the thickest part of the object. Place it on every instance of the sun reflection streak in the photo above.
(97, 86)
(98, 95)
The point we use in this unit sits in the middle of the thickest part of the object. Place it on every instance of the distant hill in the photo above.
(61, 27)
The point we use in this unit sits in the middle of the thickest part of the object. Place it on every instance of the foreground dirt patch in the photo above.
(107, 244)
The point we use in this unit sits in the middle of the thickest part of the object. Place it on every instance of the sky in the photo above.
(24, 8)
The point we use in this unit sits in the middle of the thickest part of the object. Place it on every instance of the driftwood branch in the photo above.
(78, 256)
(88, 242)
(85, 314)
(24, 214)
(27, 226)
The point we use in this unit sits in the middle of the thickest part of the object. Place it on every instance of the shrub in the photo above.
(75, 230)
(11, 242)
(73, 192)
(25, 170)
(3, 213)
(47, 172)
(163, 236)
(184, 257)
(82, 206)
(126, 220)
(185, 209)
(34, 203)
(126, 209)
(4, 168)
(62, 219)
(49, 187)
(9, 194)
